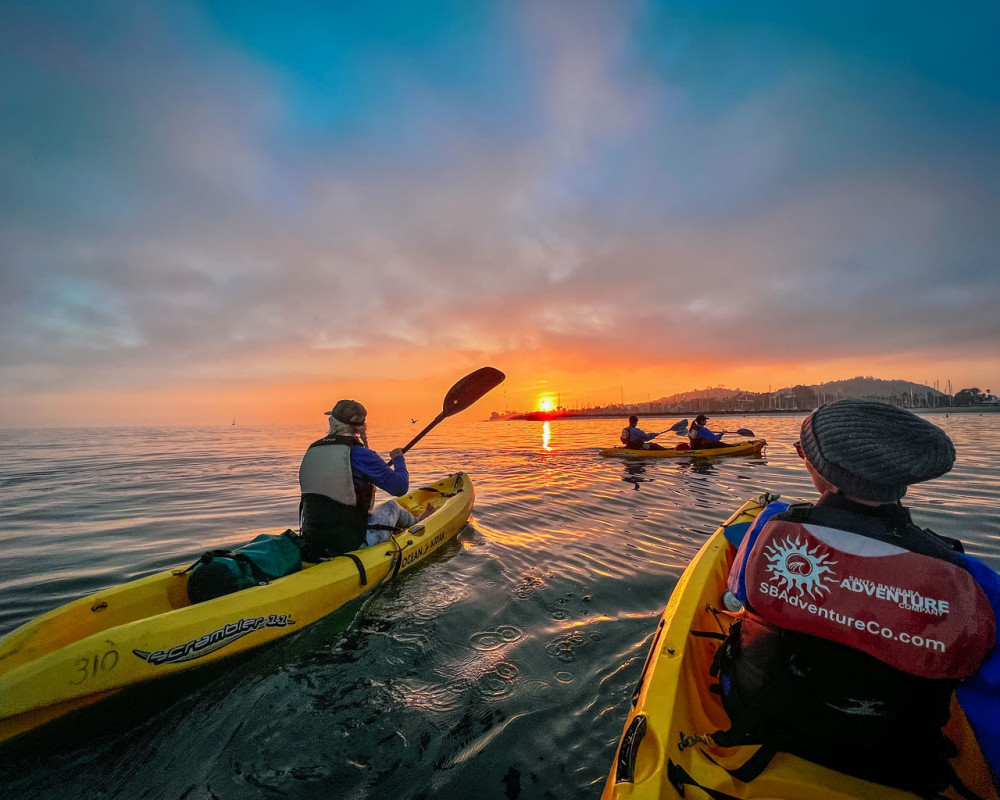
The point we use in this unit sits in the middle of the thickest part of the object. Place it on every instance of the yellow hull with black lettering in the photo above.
(747, 448)
(97, 646)
(659, 755)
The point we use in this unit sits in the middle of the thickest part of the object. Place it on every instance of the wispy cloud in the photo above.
(587, 191)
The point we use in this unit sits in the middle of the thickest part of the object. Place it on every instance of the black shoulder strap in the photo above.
(349, 441)
(796, 512)
(890, 522)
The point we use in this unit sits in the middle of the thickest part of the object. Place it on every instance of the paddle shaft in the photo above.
(434, 422)
(462, 395)
(677, 427)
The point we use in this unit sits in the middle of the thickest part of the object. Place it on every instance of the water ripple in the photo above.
(537, 619)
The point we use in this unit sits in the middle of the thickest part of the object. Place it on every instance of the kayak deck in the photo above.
(746, 448)
(673, 700)
(94, 647)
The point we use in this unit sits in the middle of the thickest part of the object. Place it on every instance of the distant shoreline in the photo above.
(556, 417)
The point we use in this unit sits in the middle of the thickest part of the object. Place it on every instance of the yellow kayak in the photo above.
(657, 755)
(95, 647)
(747, 448)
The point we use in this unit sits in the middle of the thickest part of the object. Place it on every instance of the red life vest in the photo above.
(923, 615)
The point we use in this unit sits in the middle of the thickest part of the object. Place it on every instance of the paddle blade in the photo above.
(746, 432)
(462, 395)
(680, 427)
(470, 388)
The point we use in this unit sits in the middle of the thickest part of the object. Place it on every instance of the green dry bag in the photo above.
(222, 572)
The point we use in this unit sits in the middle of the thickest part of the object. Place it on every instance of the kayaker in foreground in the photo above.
(635, 438)
(702, 438)
(857, 626)
(337, 478)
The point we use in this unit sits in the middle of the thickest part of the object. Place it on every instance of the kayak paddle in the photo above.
(462, 395)
(738, 432)
(680, 428)
(741, 432)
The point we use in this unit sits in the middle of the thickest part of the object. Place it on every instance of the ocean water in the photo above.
(500, 668)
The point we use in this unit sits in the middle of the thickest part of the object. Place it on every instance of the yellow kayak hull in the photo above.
(673, 700)
(738, 449)
(95, 647)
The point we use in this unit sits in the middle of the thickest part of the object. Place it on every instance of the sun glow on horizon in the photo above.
(546, 403)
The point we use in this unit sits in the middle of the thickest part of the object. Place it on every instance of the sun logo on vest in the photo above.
(797, 568)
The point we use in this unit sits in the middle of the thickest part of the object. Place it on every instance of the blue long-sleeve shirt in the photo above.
(705, 433)
(394, 480)
(979, 694)
(639, 436)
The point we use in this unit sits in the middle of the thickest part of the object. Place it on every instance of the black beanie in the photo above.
(873, 450)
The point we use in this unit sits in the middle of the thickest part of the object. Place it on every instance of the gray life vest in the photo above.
(333, 510)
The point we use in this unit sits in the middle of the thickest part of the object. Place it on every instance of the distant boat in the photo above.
(539, 416)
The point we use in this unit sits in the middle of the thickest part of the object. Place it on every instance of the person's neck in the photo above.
(841, 500)
(828, 494)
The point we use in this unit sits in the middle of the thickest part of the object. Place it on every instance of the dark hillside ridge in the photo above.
(800, 398)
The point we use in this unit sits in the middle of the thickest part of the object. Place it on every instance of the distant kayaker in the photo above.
(634, 438)
(702, 438)
(857, 626)
(337, 478)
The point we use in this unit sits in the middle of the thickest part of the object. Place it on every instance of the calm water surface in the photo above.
(501, 668)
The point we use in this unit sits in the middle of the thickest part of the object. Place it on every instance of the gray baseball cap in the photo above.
(350, 412)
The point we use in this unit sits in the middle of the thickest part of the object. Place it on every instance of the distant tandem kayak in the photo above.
(747, 448)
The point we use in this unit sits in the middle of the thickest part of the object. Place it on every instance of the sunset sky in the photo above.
(251, 209)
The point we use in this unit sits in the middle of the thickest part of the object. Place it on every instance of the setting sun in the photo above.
(546, 403)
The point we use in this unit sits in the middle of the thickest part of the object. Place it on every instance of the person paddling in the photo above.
(702, 438)
(337, 479)
(634, 438)
(855, 626)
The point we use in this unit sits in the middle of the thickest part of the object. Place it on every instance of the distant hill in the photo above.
(869, 389)
(857, 388)
(715, 393)
(720, 400)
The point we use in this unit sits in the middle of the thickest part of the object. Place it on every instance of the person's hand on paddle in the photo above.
(397, 452)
